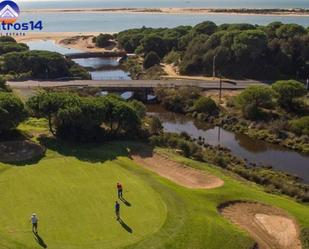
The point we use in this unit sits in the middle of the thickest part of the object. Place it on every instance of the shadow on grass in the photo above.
(39, 240)
(142, 150)
(92, 152)
(21, 152)
(125, 226)
(125, 202)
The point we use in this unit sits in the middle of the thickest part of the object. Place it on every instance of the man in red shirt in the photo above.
(119, 188)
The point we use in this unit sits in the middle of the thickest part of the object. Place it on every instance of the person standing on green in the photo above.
(117, 210)
(119, 190)
(34, 221)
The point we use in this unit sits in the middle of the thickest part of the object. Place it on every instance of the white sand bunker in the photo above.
(271, 227)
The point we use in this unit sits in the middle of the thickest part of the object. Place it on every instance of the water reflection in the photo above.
(110, 75)
(255, 151)
(99, 68)
(97, 63)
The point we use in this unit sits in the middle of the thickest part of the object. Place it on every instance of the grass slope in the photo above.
(75, 203)
(73, 192)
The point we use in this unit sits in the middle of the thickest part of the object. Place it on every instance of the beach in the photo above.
(194, 11)
(77, 40)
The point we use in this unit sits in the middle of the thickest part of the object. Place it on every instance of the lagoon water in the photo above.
(254, 151)
(115, 22)
(166, 4)
(101, 68)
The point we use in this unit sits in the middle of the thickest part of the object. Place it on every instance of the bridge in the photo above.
(135, 85)
(107, 54)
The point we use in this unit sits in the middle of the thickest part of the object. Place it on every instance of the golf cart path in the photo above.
(178, 173)
(271, 227)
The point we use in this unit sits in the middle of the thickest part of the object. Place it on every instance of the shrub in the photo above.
(288, 91)
(82, 118)
(205, 105)
(155, 125)
(151, 59)
(7, 47)
(2, 83)
(12, 111)
(103, 40)
(300, 126)
(7, 39)
(139, 107)
(305, 237)
(253, 99)
(172, 57)
(40, 64)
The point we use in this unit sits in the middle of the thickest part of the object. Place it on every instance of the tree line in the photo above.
(18, 62)
(75, 118)
(239, 50)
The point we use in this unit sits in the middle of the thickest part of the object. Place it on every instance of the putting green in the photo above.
(74, 201)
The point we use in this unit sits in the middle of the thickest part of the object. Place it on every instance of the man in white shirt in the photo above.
(34, 221)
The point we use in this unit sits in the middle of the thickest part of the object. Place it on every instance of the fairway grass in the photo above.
(72, 190)
(75, 203)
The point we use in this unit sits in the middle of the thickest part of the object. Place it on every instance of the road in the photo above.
(132, 84)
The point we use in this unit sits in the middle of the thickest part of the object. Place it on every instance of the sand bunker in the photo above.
(178, 173)
(271, 227)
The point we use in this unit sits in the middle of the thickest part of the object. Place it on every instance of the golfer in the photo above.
(34, 221)
(117, 210)
(119, 188)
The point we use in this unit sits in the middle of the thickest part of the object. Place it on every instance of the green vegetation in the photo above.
(288, 92)
(272, 181)
(80, 204)
(74, 196)
(17, 62)
(7, 47)
(80, 118)
(137, 71)
(3, 86)
(253, 99)
(7, 39)
(151, 59)
(12, 112)
(172, 57)
(72, 188)
(255, 112)
(36, 64)
(178, 100)
(205, 105)
(103, 40)
(240, 50)
(300, 126)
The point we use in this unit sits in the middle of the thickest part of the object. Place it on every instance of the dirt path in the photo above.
(271, 227)
(178, 173)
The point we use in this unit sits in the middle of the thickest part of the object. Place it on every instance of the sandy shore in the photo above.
(77, 40)
(201, 11)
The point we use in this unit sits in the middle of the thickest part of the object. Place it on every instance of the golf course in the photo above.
(72, 189)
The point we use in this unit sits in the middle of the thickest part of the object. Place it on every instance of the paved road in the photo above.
(241, 84)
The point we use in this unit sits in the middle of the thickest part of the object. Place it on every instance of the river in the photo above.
(254, 151)
(99, 68)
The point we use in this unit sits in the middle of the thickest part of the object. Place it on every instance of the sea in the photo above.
(115, 22)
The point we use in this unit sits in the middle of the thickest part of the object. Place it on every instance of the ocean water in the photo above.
(166, 3)
(115, 22)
